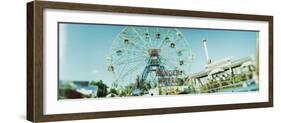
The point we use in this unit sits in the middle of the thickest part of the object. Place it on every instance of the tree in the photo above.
(113, 91)
(129, 89)
(147, 86)
(102, 88)
(180, 81)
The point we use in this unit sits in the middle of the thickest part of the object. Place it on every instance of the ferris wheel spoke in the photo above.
(133, 60)
(148, 36)
(126, 59)
(172, 60)
(144, 42)
(157, 38)
(135, 51)
(171, 66)
(121, 70)
(166, 45)
(187, 45)
(131, 70)
(131, 49)
(168, 61)
(173, 50)
(117, 36)
(136, 37)
(134, 42)
(185, 42)
(118, 59)
(163, 40)
(170, 54)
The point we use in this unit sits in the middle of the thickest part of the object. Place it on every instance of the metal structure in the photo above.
(138, 52)
(206, 51)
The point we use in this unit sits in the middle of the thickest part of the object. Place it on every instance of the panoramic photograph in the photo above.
(117, 61)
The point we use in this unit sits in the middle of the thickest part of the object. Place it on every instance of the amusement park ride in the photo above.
(161, 57)
(138, 53)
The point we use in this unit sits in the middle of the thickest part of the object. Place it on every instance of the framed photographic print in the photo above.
(96, 61)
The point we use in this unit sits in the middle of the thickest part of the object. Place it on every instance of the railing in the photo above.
(227, 86)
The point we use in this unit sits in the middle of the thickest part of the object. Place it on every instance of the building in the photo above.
(223, 74)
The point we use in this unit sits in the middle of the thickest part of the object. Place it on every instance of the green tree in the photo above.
(128, 90)
(113, 91)
(147, 86)
(102, 88)
(180, 81)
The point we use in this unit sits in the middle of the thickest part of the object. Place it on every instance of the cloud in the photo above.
(95, 71)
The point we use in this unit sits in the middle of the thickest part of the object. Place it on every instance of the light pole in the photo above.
(206, 51)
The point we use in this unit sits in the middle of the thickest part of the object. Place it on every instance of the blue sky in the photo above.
(84, 47)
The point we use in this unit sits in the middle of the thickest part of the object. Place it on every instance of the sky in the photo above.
(83, 48)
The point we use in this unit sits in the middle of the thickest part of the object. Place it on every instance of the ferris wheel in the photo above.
(138, 52)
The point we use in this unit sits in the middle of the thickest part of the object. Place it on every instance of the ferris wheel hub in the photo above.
(153, 52)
